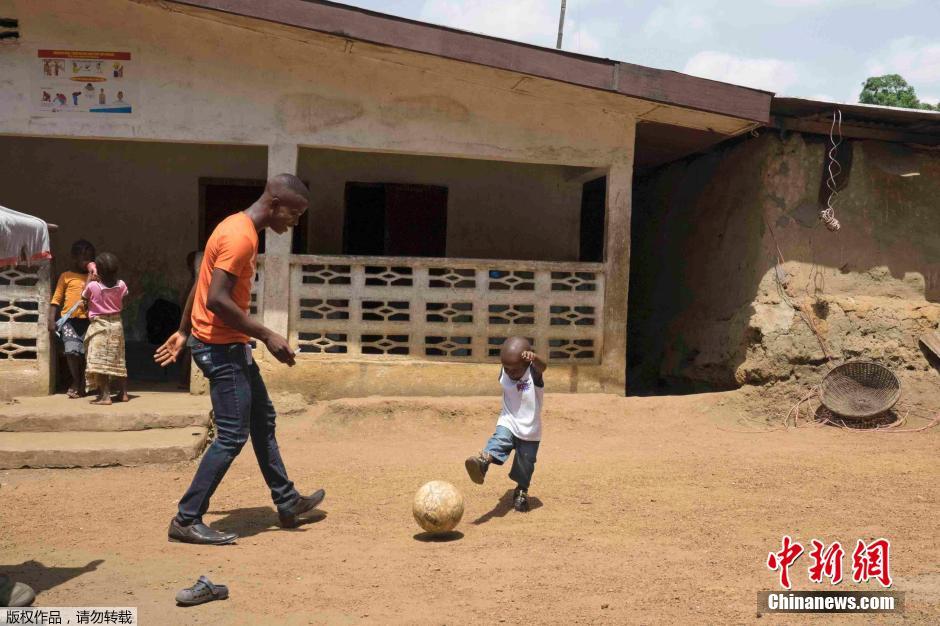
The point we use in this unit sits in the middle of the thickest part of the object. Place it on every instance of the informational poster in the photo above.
(69, 82)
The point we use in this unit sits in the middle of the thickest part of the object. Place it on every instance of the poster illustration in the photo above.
(84, 82)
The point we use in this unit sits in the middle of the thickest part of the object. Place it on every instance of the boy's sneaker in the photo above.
(477, 466)
(520, 500)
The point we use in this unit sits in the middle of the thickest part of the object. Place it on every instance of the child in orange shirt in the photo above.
(67, 301)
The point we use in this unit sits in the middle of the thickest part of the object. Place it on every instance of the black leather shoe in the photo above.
(288, 516)
(199, 533)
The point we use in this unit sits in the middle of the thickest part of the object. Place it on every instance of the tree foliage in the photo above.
(891, 90)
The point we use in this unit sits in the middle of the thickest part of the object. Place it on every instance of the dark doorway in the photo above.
(221, 197)
(593, 214)
(364, 221)
(388, 219)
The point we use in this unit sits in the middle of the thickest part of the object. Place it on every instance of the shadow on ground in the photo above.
(504, 506)
(251, 521)
(43, 578)
(454, 535)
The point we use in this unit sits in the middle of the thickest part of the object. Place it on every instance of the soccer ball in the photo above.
(438, 507)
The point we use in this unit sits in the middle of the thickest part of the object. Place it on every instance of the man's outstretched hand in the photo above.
(170, 350)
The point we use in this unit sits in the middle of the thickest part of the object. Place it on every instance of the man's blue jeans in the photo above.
(523, 463)
(242, 407)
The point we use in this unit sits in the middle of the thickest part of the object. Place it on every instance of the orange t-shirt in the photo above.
(232, 247)
(68, 291)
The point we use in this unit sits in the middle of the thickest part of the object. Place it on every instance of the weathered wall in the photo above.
(705, 302)
(138, 200)
(326, 380)
(496, 210)
(203, 80)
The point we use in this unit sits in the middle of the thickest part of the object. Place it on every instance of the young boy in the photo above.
(519, 426)
(68, 292)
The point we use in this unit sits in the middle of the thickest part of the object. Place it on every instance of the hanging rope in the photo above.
(828, 215)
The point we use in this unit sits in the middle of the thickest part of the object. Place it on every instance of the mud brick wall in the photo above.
(707, 301)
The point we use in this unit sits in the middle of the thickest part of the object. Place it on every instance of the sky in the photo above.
(821, 49)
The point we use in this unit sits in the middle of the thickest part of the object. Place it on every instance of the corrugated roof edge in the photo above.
(878, 112)
(859, 121)
(636, 81)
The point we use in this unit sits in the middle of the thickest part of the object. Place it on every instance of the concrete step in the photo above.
(99, 449)
(147, 409)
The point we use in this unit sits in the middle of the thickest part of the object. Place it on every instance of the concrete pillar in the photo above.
(617, 270)
(282, 159)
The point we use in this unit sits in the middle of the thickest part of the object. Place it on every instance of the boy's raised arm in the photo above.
(535, 360)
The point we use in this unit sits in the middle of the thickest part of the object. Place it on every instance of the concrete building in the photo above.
(463, 187)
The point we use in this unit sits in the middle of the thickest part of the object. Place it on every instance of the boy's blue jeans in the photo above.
(242, 407)
(523, 463)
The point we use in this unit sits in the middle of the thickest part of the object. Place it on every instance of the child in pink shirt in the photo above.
(104, 340)
(104, 300)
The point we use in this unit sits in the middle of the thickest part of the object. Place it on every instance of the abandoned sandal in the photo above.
(203, 591)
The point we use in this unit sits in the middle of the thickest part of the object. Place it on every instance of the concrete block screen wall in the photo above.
(24, 342)
(445, 309)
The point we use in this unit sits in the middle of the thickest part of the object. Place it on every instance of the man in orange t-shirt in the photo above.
(216, 327)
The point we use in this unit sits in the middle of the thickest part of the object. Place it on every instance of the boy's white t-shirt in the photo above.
(522, 406)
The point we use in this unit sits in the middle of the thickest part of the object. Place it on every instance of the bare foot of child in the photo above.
(122, 397)
(106, 400)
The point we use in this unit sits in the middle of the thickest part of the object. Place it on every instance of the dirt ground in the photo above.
(646, 510)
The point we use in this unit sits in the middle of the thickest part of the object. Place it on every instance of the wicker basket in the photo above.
(859, 389)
